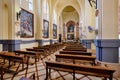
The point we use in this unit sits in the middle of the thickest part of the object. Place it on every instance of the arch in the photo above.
(70, 23)
(66, 6)
(70, 4)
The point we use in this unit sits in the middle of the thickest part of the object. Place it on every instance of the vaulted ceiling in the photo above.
(61, 4)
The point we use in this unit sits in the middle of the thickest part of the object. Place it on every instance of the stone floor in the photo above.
(56, 75)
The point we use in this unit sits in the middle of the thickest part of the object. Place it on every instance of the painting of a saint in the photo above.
(70, 28)
(45, 29)
(26, 24)
(54, 31)
(70, 36)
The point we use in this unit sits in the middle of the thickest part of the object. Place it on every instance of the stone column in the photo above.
(51, 22)
(39, 29)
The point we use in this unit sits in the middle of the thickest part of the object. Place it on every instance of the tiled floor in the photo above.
(56, 75)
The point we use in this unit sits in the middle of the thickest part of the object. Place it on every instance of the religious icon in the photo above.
(26, 24)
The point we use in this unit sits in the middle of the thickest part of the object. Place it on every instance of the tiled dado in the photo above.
(107, 50)
(87, 43)
(12, 45)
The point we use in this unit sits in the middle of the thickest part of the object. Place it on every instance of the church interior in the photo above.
(59, 40)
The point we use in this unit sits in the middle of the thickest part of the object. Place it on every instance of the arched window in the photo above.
(54, 17)
(27, 3)
(46, 10)
(31, 5)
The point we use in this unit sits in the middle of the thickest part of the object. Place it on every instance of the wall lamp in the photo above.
(18, 15)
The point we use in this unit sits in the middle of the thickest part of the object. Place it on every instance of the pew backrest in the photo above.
(75, 58)
(84, 50)
(76, 53)
(81, 69)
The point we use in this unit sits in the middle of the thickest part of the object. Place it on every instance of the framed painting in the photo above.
(70, 36)
(54, 31)
(45, 29)
(26, 24)
(70, 28)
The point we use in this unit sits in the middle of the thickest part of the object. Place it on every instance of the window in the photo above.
(46, 10)
(27, 4)
(54, 17)
(31, 5)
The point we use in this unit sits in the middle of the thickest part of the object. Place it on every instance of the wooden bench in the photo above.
(50, 48)
(41, 52)
(76, 53)
(84, 50)
(47, 50)
(74, 58)
(30, 54)
(75, 47)
(1, 72)
(97, 71)
(11, 57)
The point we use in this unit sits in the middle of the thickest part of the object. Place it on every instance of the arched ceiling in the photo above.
(68, 9)
(61, 4)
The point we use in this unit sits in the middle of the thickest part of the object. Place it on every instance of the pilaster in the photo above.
(107, 50)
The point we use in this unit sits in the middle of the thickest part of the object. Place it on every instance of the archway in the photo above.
(70, 19)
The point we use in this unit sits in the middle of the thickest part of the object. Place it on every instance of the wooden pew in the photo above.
(80, 69)
(76, 53)
(79, 47)
(1, 72)
(47, 50)
(30, 54)
(74, 58)
(41, 52)
(70, 49)
(11, 57)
